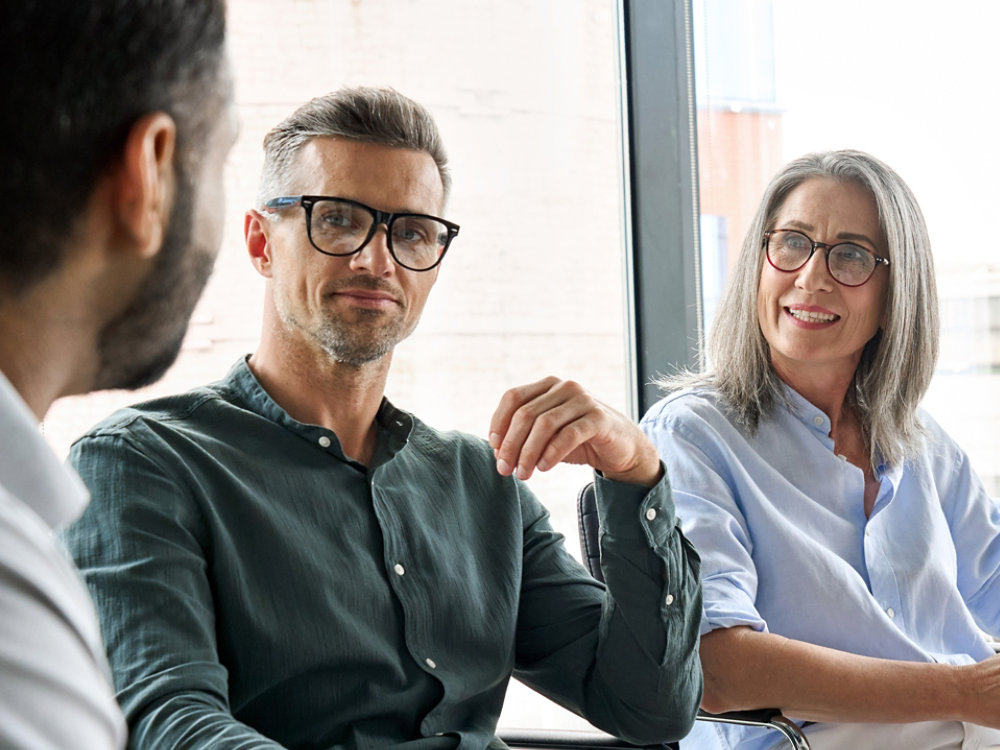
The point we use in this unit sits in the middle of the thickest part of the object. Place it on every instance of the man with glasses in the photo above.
(284, 558)
(117, 121)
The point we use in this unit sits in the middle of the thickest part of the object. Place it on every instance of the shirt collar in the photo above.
(394, 423)
(29, 468)
(811, 416)
(818, 422)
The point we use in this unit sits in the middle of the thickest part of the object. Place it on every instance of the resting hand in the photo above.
(552, 421)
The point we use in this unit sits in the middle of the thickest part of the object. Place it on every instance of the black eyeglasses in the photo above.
(340, 227)
(849, 264)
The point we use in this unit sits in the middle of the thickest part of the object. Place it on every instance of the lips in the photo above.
(366, 294)
(367, 298)
(366, 291)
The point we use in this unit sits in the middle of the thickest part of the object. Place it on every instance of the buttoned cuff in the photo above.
(631, 512)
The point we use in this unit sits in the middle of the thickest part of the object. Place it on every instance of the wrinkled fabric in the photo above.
(257, 588)
(55, 689)
(779, 521)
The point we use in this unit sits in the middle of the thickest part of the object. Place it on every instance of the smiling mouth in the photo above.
(808, 316)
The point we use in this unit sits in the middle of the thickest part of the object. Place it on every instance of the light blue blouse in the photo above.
(779, 521)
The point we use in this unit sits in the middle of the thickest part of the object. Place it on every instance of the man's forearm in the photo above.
(184, 720)
(652, 574)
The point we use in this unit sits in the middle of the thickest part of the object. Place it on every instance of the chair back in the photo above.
(590, 540)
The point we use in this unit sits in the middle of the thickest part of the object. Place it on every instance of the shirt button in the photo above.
(817, 420)
(651, 514)
(669, 600)
(399, 569)
(868, 531)
(324, 441)
(430, 663)
(891, 612)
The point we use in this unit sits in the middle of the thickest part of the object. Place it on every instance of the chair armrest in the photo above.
(757, 717)
(771, 718)
(568, 739)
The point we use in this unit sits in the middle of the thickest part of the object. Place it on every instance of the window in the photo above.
(903, 82)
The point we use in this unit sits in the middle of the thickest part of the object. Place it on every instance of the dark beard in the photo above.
(139, 345)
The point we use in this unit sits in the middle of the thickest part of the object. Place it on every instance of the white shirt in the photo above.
(55, 691)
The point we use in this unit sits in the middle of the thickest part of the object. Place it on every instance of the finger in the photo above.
(570, 443)
(534, 425)
(510, 402)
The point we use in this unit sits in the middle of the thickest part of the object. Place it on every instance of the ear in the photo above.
(255, 233)
(145, 182)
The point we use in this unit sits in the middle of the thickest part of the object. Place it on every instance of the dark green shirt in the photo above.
(258, 589)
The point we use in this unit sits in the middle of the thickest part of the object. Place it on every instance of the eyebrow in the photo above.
(843, 236)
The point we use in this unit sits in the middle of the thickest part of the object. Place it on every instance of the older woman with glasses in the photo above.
(851, 557)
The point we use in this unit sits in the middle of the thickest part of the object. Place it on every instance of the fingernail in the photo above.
(503, 467)
(494, 439)
(543, 465)
(522, 473)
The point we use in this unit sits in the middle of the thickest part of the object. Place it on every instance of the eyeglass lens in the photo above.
(849, 264)
(341, 228)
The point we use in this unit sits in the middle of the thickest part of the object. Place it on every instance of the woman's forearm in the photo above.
(746, 669)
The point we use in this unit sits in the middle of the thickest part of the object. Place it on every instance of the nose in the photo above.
(375, 257)
(814, 276)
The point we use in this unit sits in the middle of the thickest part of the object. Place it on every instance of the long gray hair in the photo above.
(897, 363)
(380, 116)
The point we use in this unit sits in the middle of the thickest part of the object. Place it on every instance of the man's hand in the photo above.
(551, 421)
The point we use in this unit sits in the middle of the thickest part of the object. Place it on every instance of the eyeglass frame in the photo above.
(879, 260)
(378, 218)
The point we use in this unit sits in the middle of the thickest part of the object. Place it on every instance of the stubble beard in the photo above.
(361, 342)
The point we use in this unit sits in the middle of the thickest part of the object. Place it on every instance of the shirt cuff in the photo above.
(629, 511)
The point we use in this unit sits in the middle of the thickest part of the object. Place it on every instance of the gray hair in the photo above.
(896, 366)
(379, 116)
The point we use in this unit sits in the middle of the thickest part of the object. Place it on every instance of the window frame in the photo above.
(660, 182)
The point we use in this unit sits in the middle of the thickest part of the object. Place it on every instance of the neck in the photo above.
(44, 353)
(314, 389)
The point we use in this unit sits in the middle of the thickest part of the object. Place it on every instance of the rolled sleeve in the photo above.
(713, 520)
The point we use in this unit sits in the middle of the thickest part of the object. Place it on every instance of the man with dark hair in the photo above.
(116, 122)
(285, 559)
